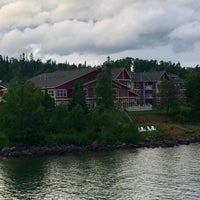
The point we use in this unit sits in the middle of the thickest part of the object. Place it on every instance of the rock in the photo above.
(94, 147)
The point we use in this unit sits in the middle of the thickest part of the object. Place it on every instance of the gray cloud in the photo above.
(67, 27)
(186, 36)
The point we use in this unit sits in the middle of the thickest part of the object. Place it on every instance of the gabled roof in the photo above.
(57, 78)
(122, 85)
(176, 79)
(147, 76)
(116, 72)
(116, 83)
(3, 85)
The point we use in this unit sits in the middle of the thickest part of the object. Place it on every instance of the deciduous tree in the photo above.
(192, 85)
(23, 114)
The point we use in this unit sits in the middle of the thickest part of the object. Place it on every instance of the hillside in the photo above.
(166, 128)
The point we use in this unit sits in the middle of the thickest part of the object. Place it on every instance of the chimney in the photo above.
(109, 68)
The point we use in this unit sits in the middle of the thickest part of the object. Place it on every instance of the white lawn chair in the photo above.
(142, 129)
(153, 128)
(148, 128)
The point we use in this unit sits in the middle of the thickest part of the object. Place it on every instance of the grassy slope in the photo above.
(166, 127)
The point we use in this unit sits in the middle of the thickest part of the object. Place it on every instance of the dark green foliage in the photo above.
(140, 65)
(104, 91)
(23, 116)
(168, 95)
(182, 115)
(27, 66)
(126, 63)
(100, 127)
(78, 97)
(144, 65)
(77, 118)
(192, 85)
(129, 133)
(59, 120)
(171, 68)
(111, 127)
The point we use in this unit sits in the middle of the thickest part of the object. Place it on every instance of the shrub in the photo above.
(129, 133)
(183, 115)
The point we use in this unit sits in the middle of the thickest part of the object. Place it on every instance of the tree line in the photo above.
(141, 65)
(27, 66)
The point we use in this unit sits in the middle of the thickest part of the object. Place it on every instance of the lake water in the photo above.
(143, 174)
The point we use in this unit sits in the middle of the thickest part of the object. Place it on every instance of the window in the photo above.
(89, 105)
(86, 92)
(138, 85)
(127, 83)
(61, 92)
(115, 92)
(131, 103)
(51, 93)
(91, 92)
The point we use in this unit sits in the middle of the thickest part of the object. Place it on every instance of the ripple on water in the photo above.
(162, 173)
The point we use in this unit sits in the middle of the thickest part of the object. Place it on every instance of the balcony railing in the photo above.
(139, 108)
(148, 96)
(148, 87)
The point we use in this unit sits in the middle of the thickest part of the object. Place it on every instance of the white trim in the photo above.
(61, 92)
(86, 91)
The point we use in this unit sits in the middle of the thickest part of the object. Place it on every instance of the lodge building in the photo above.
(131, 90)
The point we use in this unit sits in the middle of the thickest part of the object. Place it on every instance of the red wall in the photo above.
(84, 79)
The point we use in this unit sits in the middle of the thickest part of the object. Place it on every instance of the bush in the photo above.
(129, 133)
(183, 115)
(3, 140)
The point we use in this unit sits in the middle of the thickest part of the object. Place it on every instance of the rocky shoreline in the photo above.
(62, 149)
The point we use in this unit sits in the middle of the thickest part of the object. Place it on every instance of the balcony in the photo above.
(148, 87)
(148, 96)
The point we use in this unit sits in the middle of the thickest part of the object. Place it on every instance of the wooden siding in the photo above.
(123, 77)
(164, 77)
(70, 85)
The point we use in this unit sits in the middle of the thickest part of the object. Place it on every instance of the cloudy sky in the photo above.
(79, 30)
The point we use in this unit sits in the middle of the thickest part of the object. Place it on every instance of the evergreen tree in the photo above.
(77, 118)
(104, 91)
(78, 97)
(58, 122)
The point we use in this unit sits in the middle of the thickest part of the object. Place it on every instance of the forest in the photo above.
(27, 66)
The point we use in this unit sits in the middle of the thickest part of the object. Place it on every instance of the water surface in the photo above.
(144, 174)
